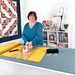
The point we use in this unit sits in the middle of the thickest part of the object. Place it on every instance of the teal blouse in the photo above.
(33, 34)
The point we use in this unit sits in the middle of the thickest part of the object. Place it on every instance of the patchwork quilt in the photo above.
(8, 18)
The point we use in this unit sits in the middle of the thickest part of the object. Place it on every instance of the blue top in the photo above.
(33, 34)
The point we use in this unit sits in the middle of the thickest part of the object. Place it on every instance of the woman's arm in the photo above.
(23, 36)
(39, 34)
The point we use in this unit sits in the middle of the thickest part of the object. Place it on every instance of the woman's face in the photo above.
(31, 18)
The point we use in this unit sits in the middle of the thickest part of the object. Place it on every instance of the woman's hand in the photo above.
(28, 43)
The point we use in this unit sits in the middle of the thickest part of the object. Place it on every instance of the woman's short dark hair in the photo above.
(32, 13)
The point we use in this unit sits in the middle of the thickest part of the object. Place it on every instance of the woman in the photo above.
(32, 33)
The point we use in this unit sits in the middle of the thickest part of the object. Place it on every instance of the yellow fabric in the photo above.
(20, 47)
(8, 46)
(22, 55)
(38, 54)
(35, 54)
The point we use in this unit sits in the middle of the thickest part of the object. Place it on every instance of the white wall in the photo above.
(45, 10)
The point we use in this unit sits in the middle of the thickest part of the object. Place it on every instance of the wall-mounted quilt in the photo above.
(10, 21)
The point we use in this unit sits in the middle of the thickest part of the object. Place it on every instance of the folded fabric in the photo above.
(8, 46)
(38, 54)
(9, 54)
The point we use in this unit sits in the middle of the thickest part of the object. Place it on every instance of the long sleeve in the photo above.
(39, 35)
(23, 36)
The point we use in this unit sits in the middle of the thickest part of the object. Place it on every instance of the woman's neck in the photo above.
(31, 24)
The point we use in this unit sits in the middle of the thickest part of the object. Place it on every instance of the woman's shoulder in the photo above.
(39, 23)
(26, 25)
